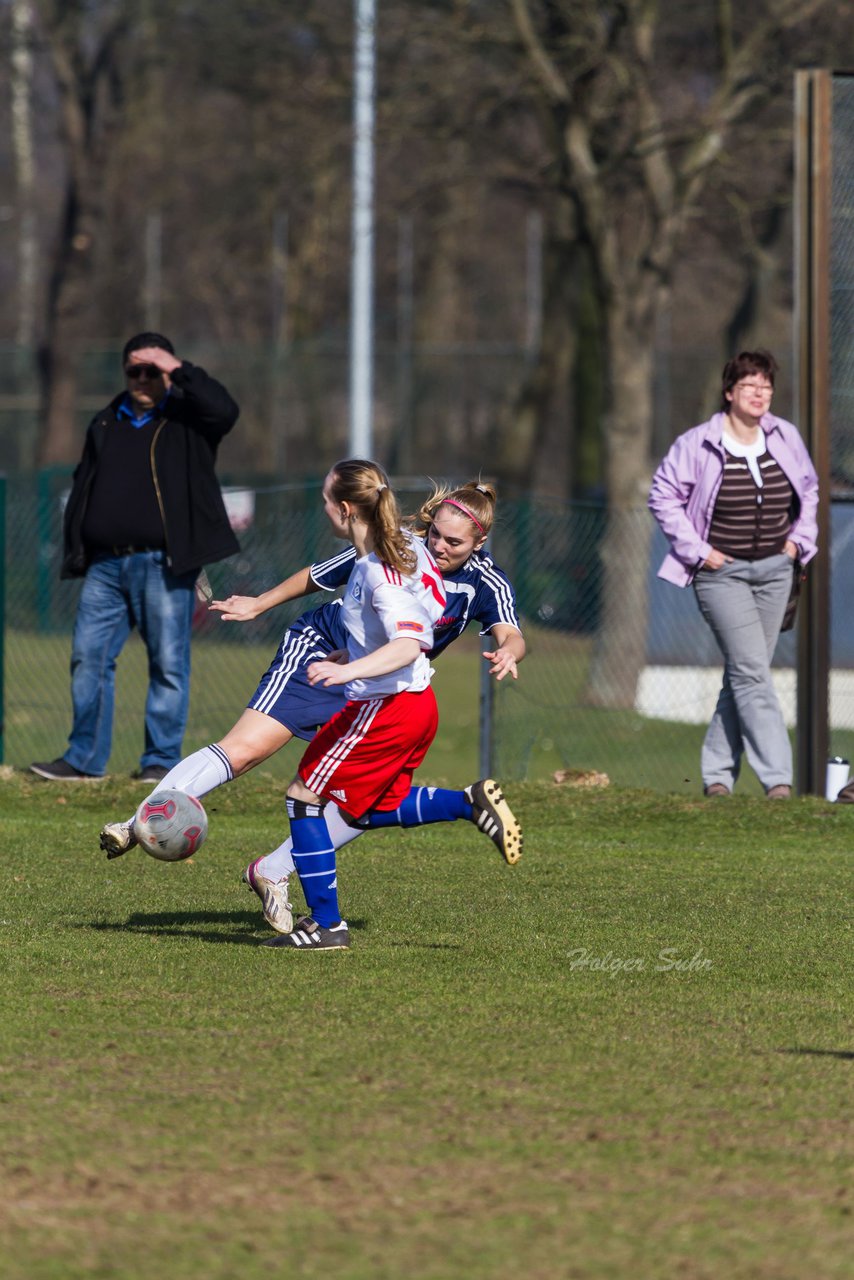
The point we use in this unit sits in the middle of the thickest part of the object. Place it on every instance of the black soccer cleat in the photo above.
(493, 815)
(308, 935)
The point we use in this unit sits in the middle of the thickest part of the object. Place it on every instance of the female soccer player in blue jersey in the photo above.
(456, 524)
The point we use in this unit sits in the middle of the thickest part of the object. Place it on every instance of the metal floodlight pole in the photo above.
(362, 265)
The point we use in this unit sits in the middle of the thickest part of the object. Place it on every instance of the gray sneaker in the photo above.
(493, 815)
(308, 935)
(61, 771)
(278, 912)
(117, 838)
(151, 773)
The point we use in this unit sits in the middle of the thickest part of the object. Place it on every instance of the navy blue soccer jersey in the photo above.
(477, 592)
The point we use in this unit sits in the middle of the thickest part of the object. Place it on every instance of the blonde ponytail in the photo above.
(365, 486)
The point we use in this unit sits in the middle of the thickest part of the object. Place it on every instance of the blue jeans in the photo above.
(743, 603)
(119, 593)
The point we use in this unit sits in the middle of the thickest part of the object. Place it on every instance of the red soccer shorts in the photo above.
(364, 758)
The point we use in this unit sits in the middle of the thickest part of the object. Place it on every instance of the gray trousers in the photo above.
(743, 603)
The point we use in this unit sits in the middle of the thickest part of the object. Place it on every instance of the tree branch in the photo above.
(544, 66)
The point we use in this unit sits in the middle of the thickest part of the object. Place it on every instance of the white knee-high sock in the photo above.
(199, 773)
(280, 862)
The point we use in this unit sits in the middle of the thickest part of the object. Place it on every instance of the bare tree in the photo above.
(635, 145)
(84, 43)
(530, 418)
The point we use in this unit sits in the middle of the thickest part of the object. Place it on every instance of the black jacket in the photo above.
(197, 414)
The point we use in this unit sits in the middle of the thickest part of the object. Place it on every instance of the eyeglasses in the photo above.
(765, 389)
(149, 371)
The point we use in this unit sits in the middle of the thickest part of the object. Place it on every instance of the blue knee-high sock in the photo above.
(314, 858)
(421, 806)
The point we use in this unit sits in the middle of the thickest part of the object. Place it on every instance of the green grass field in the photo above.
(629, 1056)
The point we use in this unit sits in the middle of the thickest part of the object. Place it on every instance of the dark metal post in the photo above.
(486, 754)
(812, 344)
(2, 613)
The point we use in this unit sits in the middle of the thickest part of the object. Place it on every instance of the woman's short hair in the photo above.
(741, 366)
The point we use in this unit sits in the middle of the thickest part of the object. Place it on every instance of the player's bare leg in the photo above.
(252, 740)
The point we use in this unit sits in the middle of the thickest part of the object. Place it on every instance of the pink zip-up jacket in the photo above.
(685, 489)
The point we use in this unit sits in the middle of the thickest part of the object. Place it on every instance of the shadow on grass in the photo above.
(186, 924)
(246, 926)
(844, 1054)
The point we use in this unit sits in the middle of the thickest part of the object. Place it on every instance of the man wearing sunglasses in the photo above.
(144, 515)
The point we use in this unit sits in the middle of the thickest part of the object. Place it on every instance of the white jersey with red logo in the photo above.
(383, 604)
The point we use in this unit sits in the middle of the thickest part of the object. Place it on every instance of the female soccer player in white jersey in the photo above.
(365, 756)
(456, 524)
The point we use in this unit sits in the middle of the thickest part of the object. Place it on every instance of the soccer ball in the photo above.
(170, 825)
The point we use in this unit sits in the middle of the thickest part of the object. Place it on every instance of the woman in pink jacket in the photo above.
(736, 498)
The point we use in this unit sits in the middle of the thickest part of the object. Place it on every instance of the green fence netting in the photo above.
(538, 726)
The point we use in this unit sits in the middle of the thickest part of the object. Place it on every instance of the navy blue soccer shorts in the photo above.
(284, 692)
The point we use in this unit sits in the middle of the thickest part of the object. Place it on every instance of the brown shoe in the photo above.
(780, 792)
(716, 789)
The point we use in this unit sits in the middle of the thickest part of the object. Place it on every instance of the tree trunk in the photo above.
(89, 86)
(620, 649)
(545, 387)
(69, 300)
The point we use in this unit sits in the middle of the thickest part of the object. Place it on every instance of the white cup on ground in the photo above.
(836, 777)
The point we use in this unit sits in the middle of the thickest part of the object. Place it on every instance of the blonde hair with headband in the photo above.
(475, 500)
(452, 502)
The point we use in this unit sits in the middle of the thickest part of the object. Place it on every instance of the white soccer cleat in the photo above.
(117, 838)
(278, 911)
(493, 816)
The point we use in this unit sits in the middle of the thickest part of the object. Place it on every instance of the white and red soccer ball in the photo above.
(170, 825)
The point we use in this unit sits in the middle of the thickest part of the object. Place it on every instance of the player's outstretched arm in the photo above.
(389, 657)
(245, 608)
(509, 652)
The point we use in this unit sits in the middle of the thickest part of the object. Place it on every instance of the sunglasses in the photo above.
(149, 371)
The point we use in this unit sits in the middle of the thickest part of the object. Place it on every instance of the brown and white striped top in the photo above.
(749, 522)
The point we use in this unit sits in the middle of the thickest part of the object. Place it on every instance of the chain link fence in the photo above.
(842, 289)
(279, 529)
(541, 725)
(545, 723)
